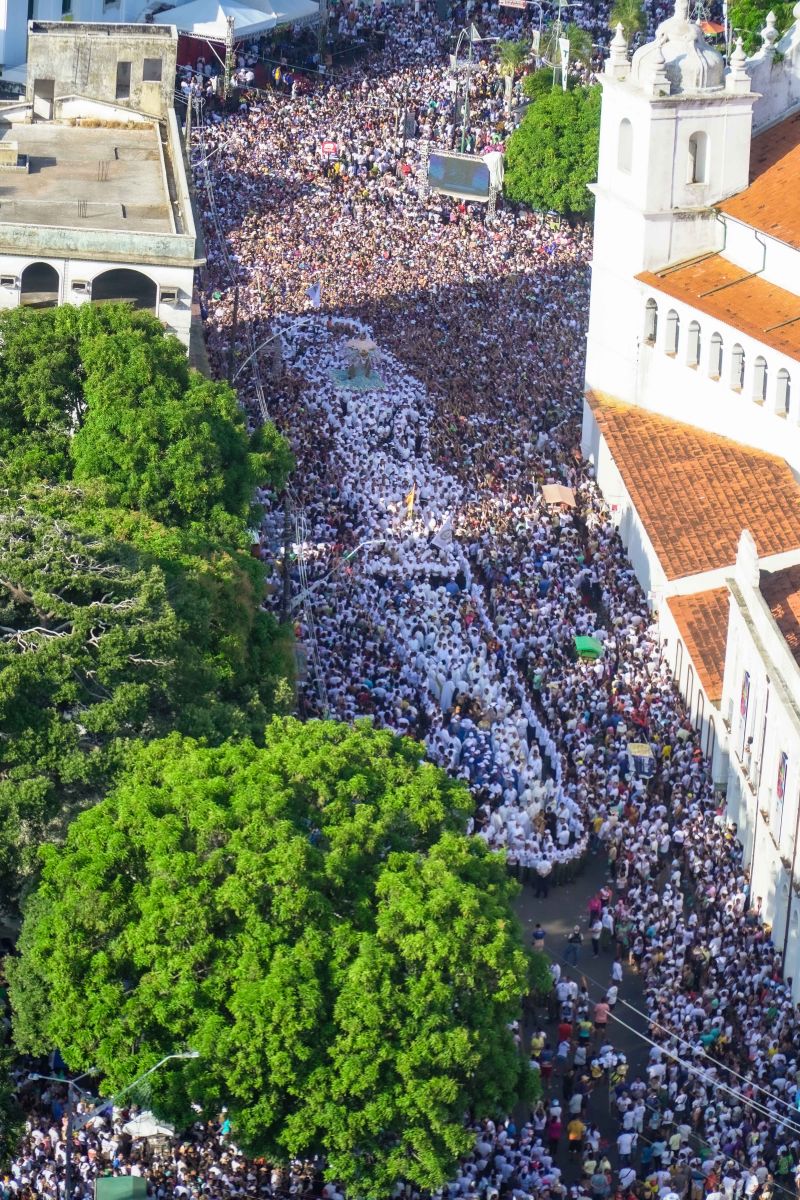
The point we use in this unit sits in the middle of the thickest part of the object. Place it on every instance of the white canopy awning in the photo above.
(145, 1125)
(209, 18)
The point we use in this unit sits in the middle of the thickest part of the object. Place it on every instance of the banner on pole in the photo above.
(563, 45)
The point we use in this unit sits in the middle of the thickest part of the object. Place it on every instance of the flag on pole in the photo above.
(314, 294)
(535, 41)
(409, 501)
(444, 536)
(474, 35)
(563, 45)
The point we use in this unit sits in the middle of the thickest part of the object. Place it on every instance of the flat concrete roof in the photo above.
(87, 178)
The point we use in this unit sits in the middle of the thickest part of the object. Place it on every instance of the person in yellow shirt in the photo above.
(575, 1131)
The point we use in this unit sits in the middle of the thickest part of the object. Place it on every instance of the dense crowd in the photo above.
(429, 399)
(443, 597)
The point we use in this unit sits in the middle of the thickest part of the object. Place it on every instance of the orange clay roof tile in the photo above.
(702, 621)
(772, 201)
(695, 491)
(781, 590)
(750, 304)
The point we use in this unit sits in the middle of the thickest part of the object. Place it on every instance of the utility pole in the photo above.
(286, 598)
(234, 331)
(322, 32)
(466, 95)
(229, 32)
(68, 1140)
(187, 128)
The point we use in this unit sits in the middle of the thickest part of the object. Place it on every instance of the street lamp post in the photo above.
(472, 36)
(73, 1125)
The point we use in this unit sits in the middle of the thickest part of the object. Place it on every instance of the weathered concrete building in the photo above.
(94, 203)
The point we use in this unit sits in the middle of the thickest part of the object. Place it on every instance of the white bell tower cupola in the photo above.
(675, 136)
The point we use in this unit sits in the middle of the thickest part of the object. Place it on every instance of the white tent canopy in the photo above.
(145, 1125)
(209, 18)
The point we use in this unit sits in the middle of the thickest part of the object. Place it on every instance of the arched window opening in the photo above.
(625, 147)
(650, 322)
(715, 356)
(737, 368)
(693, 344)
(689, 689)
(678, 660)
(39, 286)
(673, 332)
(711, 741)
(701, 707)
(698, 158)
(760, 380)
(783, 393)
(123, 284)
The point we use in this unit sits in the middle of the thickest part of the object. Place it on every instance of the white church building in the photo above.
(692, 409)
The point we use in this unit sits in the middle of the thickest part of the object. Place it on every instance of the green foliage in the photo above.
(540, 979)
(580, 43)
(552, 156)
(112, 628)
(538, 83)
(512, 55)
(630, 14)
(312, 919)
(12, 1118)
(748, 18)
(98, 392)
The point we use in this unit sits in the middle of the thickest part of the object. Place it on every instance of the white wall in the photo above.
(177, 318)
(706, 716)
(13, 32)
(764, 722)
(775, 261)
(669, 385)
(649, 215)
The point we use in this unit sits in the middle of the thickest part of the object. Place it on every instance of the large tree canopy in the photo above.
(99, 392)
(112, 628)
(311, 918)
(552, 156)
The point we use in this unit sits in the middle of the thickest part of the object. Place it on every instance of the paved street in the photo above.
(564, 907)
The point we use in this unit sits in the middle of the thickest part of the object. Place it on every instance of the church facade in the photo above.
(692, 407)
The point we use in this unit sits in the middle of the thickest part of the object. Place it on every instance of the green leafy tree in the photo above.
(99, 392)
(512, 55)
(311, 918)
(552, 156)
(114, 628)
(538, 82)
(630, 14)
(580, 43)
(748, 18)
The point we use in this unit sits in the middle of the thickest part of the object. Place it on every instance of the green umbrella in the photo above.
(588, 647)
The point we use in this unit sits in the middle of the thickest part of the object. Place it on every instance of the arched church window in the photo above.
(783, 396)
(650, 321)
(693, 344)
(625, 146)
(698, 158)
(715, 356)
(737, 368)
(673, 332)
(760, 380)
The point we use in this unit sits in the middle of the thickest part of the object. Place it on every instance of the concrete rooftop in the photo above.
(87, 178)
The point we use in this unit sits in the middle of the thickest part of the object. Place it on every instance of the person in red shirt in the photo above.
(600, 1016)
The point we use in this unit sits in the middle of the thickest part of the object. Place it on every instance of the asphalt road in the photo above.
(565, 907)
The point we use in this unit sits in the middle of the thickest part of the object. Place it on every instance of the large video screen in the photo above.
(467, 178)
